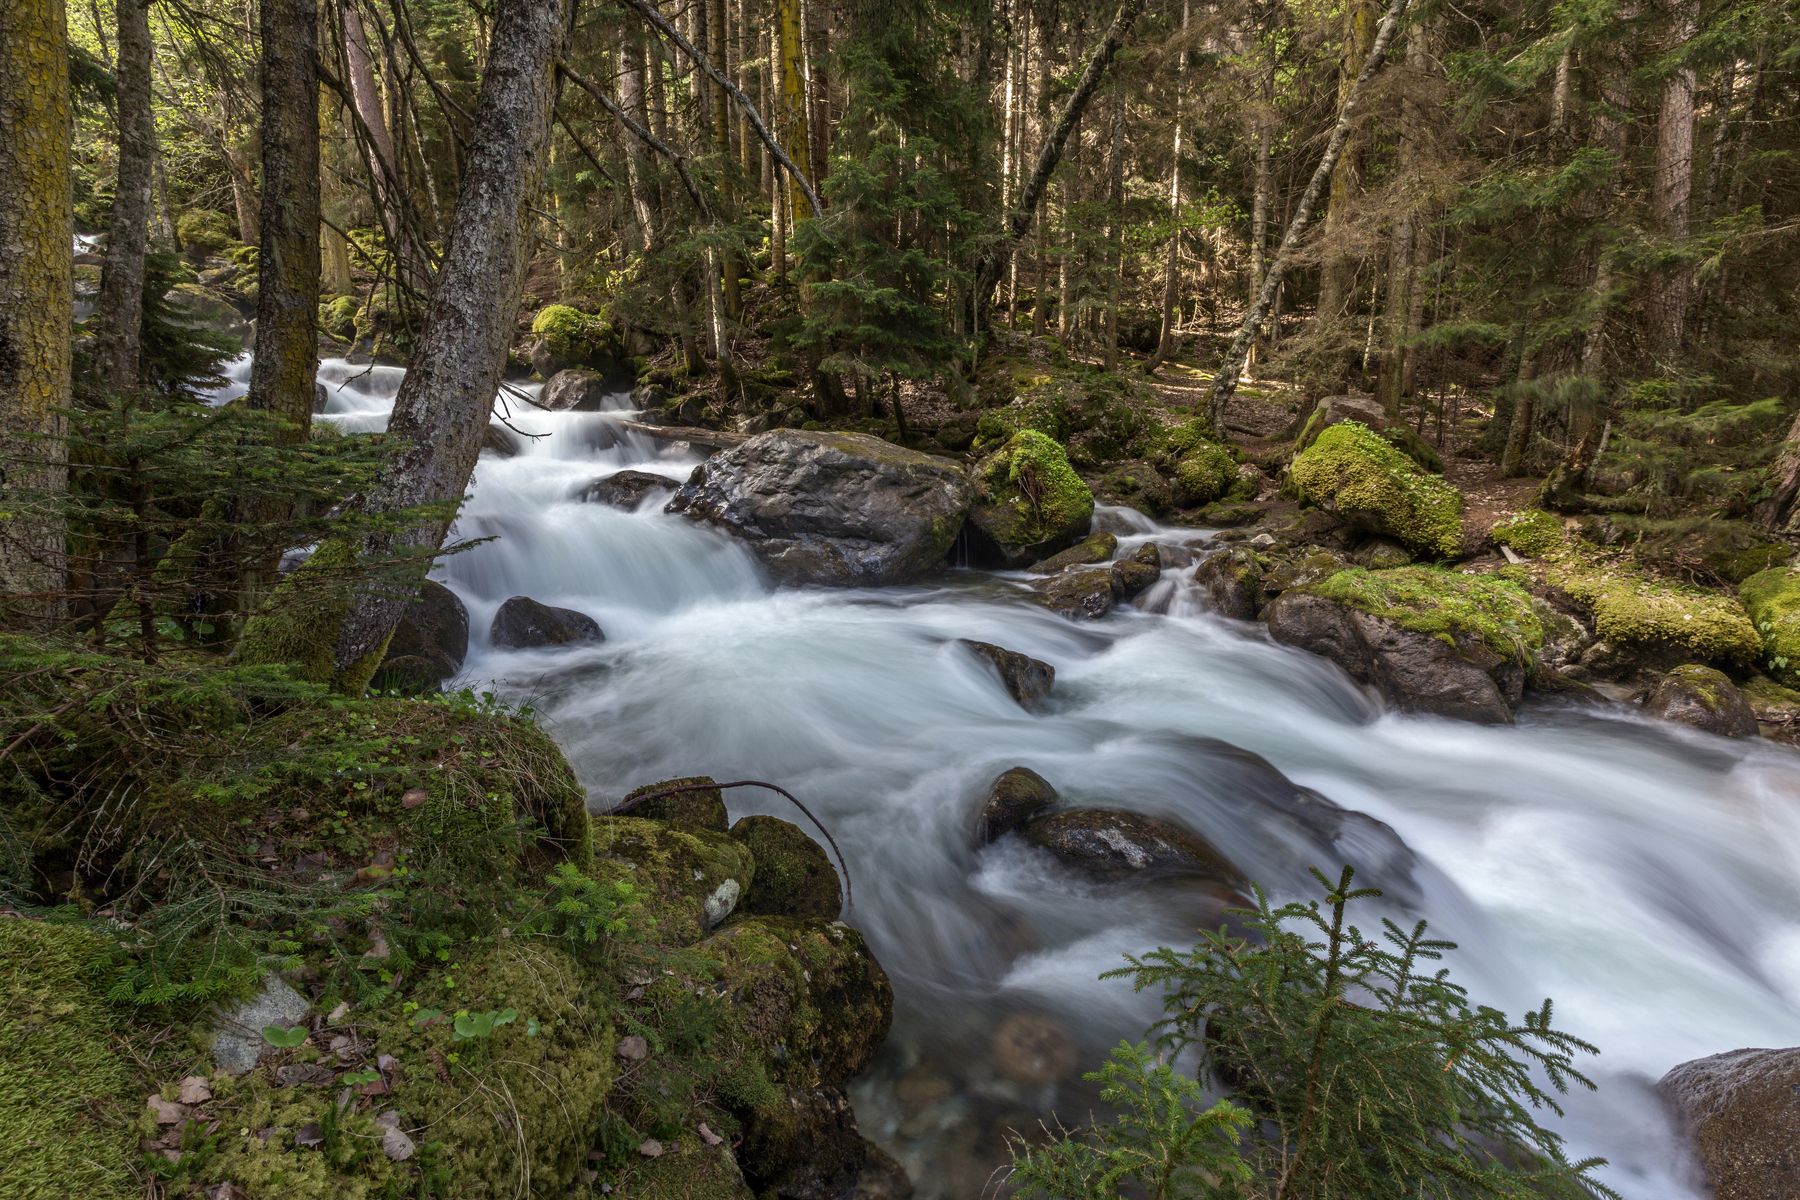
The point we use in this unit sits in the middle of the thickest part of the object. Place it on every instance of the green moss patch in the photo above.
(1353, 472)
(1031, 498)
(1633, 610)
(1445, 605)
(67, 1097)
(1772, 599)
(1532, 532)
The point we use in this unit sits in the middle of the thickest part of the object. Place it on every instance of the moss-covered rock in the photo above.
(1772, 599)
(1703, 698)
(1669, 623)
(684, 1169)
(565, 337)
(794, 877)
(1095, 548)
(337, 316)
(1355, 474)
(694, 801)
(695, 878)
(204, 232)
(1030, 502)
(1533, 532)
(1204, 474)
(67, 1096)
(1446, 605)
(1232, 580)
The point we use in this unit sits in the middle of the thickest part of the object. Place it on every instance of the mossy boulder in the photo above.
(685, 1169)
(794, 877)
(337, 316)
(1356, 475)
(1027, 680)
(698, 804)
(1333, 410)
(1533, 533)
(1137, 571)
(564, 337)
(1231, 578)
(1092, 549)
(1429, 641)
(1029, 503)
(1015, 797)
(1703, 698)
(204, 232)
(1772, 599)
(1205, 473)
(1080, 593)
(1662, 624)
(695, 878)
(67, 1096)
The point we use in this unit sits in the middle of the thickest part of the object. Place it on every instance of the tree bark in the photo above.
(1225, 383)
(1672, 194)
(817, 23)
(1339, 271)
(1018, 221)
(121, 301)
(36, 306)
(287, 290)
(384, 164)
(1165, 337)
(443, 405)
(802, 201)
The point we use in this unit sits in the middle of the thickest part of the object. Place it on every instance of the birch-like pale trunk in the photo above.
(1225, 383)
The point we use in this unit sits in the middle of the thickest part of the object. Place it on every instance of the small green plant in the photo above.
(1353, 1070)
(284, 1037)
(583, 909)
(472, 1026)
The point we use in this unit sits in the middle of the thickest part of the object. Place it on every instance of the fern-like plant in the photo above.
(1351, 1068)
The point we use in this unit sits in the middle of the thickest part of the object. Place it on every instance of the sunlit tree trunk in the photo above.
(1165, 337)
(121, 301)
(442, 407)
(793, 98)
(36, 305)
(1672, 191)
(384, 163)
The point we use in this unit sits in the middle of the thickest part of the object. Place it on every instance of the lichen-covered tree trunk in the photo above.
(793, 99)
(1165, 336)
(442, 408)
(287, 298)
(1226, 381)
(36, 305)
(121, 301)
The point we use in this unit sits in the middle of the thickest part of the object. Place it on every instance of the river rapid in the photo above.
(1641, 874)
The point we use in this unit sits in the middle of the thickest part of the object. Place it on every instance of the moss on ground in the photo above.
(67, 1096)
(1445, 605)
(1532, 532)
(1353, 472)
(1772, 599)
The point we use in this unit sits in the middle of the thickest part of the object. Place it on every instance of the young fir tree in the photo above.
(1353, 1070)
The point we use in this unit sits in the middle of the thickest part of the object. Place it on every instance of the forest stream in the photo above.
(1637, 871)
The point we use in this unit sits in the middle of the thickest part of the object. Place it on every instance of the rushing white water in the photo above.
(1640, 874)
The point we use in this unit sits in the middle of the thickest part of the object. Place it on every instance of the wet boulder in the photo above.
(1703, 698)
(1081, 594)
(694, 802)
(1136, 572)
(1232, 581)
(839, 509)
(1095, 548)
(429, 643)
(1741, 1110)
(794, 877)
(1030, 503)
(1429, 641)
(1012, 800)
(628, 489)
(575, 390)
(807, 1146)
(498, 439)
(1113, 844)
(1027, 680)
(1034, 1049)
(1361, 480)
(524, 624)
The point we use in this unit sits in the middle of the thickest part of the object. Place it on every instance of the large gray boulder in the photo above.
(1414, 671)
(575, 390)
(1741, 1111)
(429, 643)
(1232, 579)
(839, 509)
(524, 624)
(1704, 698)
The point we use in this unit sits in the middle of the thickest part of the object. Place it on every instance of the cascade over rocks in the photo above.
(1134, 574)
(524, 624)
(429, 643)
(838, 509)
(1704, 698)
(1742, 1112)
(628, 489)
(1232, 580)
(1027, 680)
(1095, 548)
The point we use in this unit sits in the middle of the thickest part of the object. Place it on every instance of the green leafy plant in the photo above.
(582, 909)
(470, 1026)
(284, 1037)
(1353, 1070)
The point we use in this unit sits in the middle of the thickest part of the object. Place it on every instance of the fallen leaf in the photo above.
(195, 1090)
(167, 1111)
(396, 1145)
(708, 1136)
(651, 1148)
(337, 1014)
(412, 798)
(309, 1135)
(389, 1119)
(375, 1087)
(378, 946)
(304, 1075)
(633, 1048)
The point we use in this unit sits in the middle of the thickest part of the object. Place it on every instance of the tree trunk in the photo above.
(287, 289)
(121, 300)
(443, 405)
(1394, 383)
(1225, 384)
(1165, 337)
(793, 99)
(1672, 192)
(1115, 234)
(637, 167)
(36, 305)
(1018, 221)
(383, 163)
(817, 19)
(335, 273)
(1339, 270)
(243, 193)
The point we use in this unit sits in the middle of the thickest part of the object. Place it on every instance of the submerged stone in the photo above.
(524, 624)
(1027, 680)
